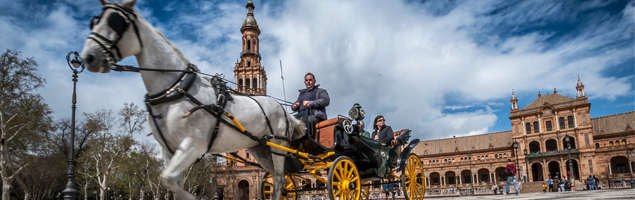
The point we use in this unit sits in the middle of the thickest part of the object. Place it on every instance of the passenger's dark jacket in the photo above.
(385, 135)
(318, 104)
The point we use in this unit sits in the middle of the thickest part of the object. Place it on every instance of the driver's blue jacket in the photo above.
(318, 99)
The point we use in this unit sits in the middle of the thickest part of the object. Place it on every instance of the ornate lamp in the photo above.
(74, 64)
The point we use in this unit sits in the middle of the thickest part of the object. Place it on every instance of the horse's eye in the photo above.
(93, 21)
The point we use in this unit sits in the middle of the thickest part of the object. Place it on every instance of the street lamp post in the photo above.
(515, 144)
(469, 157)
(567, 139)
(628, 159)
(75, 64)
(526, 166)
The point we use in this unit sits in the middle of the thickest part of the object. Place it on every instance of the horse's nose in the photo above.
(90, 58)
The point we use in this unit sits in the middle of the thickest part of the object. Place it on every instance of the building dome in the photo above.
(250, 21)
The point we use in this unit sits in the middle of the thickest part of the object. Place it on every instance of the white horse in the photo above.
(120, 32)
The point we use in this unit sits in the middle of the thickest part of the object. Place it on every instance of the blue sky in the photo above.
(441, 68)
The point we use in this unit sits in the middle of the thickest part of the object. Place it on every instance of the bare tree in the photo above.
(23, 114)
(108, 147)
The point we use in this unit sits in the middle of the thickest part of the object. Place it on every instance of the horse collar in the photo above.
(181, 85)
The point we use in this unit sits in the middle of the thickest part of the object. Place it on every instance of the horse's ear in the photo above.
(104, 2)
(128, 3)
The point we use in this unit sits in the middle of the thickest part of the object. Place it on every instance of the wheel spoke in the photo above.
(336, 193)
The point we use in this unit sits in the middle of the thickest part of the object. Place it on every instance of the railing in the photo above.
(552, 153)
(249, 52)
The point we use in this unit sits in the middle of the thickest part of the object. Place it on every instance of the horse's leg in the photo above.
(278, 168)
(184, 156)
(262, 154)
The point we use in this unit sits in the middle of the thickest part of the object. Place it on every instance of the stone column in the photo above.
(610, 170)
(539, 124)
(494, 177)
(442, 180)
(524, 129)
(460, 182)
(575, 121)
(251, 81)
(557, 123)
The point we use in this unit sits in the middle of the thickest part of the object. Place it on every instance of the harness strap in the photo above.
(263, 113)
(154, 119)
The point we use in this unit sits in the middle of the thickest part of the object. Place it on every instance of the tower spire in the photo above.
(514, 101)
(580, 88)
(249, 74)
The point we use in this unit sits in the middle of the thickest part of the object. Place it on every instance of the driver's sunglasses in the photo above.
(308, 79)
(381, 120)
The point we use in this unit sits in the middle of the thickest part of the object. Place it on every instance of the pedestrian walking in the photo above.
(550, 181)
(591, 182)
(544, 188)
(562, 185)
(510, 170)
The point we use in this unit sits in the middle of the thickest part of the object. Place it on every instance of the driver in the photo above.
(312, 102)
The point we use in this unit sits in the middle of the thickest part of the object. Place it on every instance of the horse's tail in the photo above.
(298, 128)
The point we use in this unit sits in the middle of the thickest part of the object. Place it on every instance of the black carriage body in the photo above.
(373, 159)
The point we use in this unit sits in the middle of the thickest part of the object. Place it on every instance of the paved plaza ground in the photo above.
(594, 194)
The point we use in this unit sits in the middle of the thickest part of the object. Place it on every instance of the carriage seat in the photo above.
(325, 131)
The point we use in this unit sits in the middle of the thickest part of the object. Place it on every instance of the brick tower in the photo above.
(248, 73)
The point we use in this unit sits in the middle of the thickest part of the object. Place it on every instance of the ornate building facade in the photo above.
(599, 145)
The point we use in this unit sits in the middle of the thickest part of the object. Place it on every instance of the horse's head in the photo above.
(114, 36)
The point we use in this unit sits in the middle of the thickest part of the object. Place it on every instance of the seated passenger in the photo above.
(382, 133)
(311, 104)
(360, 129)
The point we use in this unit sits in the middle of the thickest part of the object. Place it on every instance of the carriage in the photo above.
(347, 163)
(176, 91)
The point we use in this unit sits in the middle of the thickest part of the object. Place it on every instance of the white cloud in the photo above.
(401, 60)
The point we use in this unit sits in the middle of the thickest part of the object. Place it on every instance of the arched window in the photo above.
(478, 157)
(247, 83)
(617, 142)
(528, 127)
(248, 63)
(561, 121)
(536, 129)
(461, 159)
(486, 156)
(249, 45)
(255, 83)
(623, 142)
(505, 154)
(240, 83)
(597, 145)
(548, 125)
(570, 121)
(445, 161)
(495, 155)
(611, 143)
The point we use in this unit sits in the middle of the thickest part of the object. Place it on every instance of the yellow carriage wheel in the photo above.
(266, 188)
(343, 180)
(412, 178)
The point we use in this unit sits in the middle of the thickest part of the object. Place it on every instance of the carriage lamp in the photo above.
(74, 64)
(356, 113)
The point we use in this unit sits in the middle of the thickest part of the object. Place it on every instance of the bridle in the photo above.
(119, 22)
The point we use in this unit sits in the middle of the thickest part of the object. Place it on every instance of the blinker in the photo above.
(117, 23)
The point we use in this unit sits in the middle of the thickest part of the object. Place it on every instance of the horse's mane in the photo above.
(166, 41)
